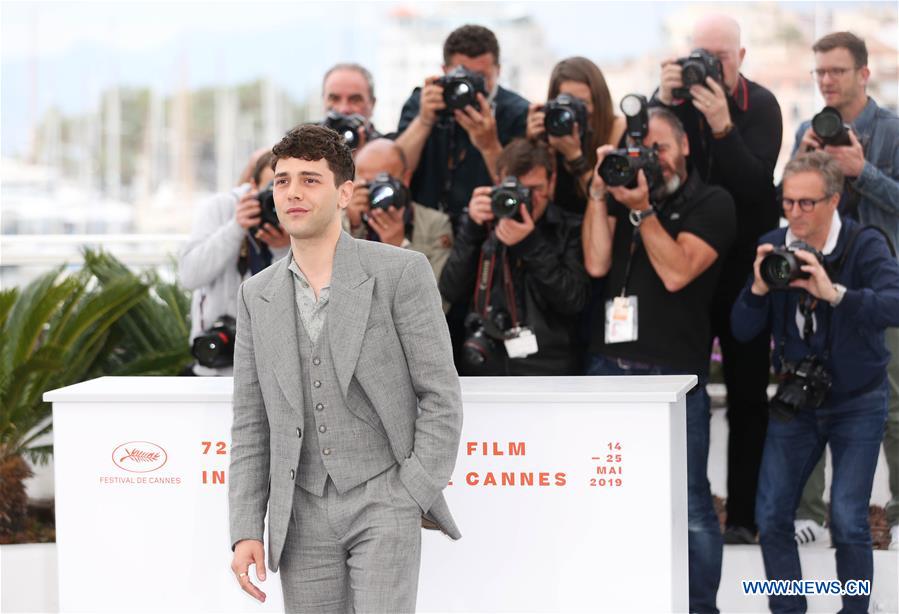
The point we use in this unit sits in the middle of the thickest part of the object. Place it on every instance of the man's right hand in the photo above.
(249, 211)
(249, 552)
(759, 287)
(670, 79)
(431, 101)
(809, 141)
(479, 209)
(359, 204)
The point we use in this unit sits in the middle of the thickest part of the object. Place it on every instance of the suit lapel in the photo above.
(350, 302)
(278, 326)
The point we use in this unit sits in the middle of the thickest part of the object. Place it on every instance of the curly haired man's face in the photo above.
(306, 199)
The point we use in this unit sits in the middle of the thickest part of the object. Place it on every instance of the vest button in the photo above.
(317, 384)
(316, 361)
(320, 407)
(322, 428)
(327, 451)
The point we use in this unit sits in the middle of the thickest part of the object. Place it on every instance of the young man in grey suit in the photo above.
(347, 407)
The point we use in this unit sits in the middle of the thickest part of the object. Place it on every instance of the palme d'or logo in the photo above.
(139, 456)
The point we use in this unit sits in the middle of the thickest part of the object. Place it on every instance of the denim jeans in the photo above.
(704, 532)
(854, 430)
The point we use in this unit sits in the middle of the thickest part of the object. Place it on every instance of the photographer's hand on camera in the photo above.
(431, 101)
(480, 124)
(711, 101)
(851, 158)
(536, 121)
(569, 145)
(818, 284)
(359, 204)
(249, 211)
(389, 225)
(511, 232)
(759, 287)
(274, 236)
(670, 79)
(636, 199)
(479, 206)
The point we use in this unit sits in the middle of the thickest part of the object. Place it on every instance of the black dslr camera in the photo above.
(781, 266)
(507, 197)
(803, 385)
(483, 350)
(619, 167)
(561, 114)
(346, 126)
(696, 67)
(386, 191)
(460, 89)
(828, 126)
(268, 214)
(214, 347)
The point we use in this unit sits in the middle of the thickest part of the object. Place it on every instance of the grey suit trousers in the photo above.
(355, 552)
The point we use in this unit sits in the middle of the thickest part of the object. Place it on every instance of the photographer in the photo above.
(828, 301)
(865, 150)
(535, 279)
(659, 242)
(403, 222)
(579, 104)
(453, 149)
(229, 242)
(735, 128)
(348, 96)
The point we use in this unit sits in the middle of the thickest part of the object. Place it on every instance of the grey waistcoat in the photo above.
(336, 443)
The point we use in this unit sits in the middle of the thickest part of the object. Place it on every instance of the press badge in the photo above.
(522, 343)
(621, 319)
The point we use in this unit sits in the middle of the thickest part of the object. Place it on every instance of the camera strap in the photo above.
(636, 242)
(484, 283)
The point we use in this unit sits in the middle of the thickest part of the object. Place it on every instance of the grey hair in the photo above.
(669, 118)
(817, 162)
(359, 68)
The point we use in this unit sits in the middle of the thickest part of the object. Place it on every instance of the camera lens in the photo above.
(616, 170)
(560, 122)
(382, 196)
(778, 269)
(827, 123)
(505, 204)
(693, 74)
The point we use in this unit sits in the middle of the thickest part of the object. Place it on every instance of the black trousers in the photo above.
(746, 367)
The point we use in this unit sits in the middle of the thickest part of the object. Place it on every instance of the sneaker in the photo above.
(810, 533)
(738, 535)
(894, 537)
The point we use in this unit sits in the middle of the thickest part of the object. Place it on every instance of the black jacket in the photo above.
(742, 162)
(551, 288)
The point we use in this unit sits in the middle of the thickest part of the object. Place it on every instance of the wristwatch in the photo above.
(637, 217)
(841, 292)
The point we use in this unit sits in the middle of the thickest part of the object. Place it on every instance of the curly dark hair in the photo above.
(312, 142)
(470, 41)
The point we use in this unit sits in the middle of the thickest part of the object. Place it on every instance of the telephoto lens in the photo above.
(461, 88)
(562, 113)
(387, 191)
(268, 214)
(507, 197)
(828, 126)
(346, 126)
(214, 347)
(781, 266)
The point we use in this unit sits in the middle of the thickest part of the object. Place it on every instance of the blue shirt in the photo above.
(878, 185)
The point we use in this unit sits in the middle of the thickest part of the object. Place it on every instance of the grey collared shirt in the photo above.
(312, 312)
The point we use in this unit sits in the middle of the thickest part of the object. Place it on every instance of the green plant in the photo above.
(62, 329)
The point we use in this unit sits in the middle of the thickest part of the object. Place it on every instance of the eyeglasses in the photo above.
(806, 204)
(835, 73)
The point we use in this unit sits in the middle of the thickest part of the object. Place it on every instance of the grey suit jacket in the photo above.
(393, 359)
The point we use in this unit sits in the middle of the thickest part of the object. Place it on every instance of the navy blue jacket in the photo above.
(858, 354)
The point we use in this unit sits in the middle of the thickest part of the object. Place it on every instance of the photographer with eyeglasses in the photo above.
(829, 288)
(861, 137)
